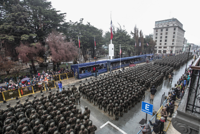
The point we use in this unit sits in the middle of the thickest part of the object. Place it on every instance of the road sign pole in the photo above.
(146, 118)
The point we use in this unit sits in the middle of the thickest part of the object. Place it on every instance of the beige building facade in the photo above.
(169, 36)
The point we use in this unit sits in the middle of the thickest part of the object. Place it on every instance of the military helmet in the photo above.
(9, 114)
(52, 124)
(41, 130)
(37, 122)
(49, 117)
(62, 119)
(8, 128)
(58, 112)
(25, 129)
(7, 121)
(71, 115)
(82, 127)
(21, 121)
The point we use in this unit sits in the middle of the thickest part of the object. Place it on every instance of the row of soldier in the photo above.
(52, 114)
(119, 91)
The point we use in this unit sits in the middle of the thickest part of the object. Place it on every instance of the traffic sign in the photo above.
(147, 108)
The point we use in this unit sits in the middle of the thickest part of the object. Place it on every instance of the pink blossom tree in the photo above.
(61, 50)
(27, 52)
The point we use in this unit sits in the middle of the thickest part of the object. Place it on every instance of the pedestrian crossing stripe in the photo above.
(113, 125)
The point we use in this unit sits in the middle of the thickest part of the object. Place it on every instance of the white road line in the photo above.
(108, 122)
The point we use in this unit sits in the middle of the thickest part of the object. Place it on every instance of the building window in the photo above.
(160, 33)
(160, 40)
(156, 30)
(160, 43)
(161, 30)
(173, 36)
(156, 37)
(166, 29)
(172, 47)
(165, 36)
(156, 33)
(155, 40)
(160, 47)
(172, 43)
(165, 47)
(174, 32)
(165, 43)
(161, 37)
(165, 40)
(166, 33)
(173, 40)
(174, 28)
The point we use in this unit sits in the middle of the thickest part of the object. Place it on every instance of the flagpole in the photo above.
(78, 56)
(120, 56)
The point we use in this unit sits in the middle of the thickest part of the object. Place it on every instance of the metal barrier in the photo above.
(51, 84)
(26, 91)
(10, 94)
(39, 87)
(70, 75)
(56, 77)
(63, 76)
(1, 97)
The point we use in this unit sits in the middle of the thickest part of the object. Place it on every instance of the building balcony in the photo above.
(187, 118)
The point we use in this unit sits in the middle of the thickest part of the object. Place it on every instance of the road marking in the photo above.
(108, 122)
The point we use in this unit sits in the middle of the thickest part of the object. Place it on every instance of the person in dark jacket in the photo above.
(146, 129)
(153, 91)
(156, 126)
(162, 121)
(171, 108)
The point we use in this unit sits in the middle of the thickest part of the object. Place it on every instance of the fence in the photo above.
(70, 75)
(51, 84)
(63, 76)
(1, 97)
(24, 91)
(56, 77)
(11, 94)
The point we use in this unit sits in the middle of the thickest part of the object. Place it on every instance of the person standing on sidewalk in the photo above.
(60, 86)
(153, 91)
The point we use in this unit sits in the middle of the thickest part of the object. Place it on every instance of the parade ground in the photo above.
(129, 123)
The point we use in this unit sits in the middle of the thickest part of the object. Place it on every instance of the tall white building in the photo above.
(169, 36)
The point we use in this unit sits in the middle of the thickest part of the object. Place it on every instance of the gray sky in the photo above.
(128, 13)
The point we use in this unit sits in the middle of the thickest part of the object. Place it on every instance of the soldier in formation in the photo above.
(55, 113)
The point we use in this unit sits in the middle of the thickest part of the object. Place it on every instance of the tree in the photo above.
(86, 33)
(149, 39)
(60, 49)
(30, 52)
(43, 18)
(6, 65)
(15, 26)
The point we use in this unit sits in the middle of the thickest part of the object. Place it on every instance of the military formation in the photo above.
(115, 93)
(118, 92)
(52, 114)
